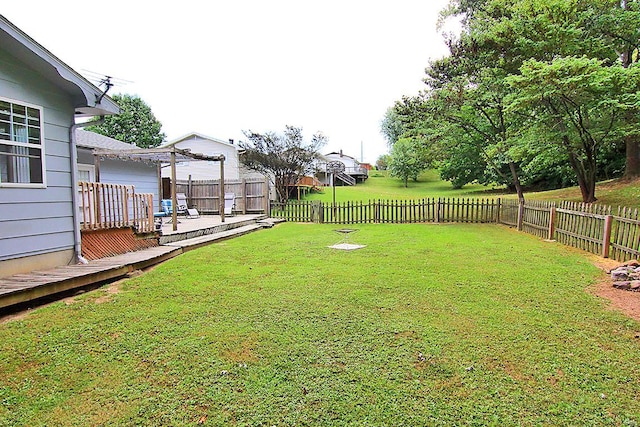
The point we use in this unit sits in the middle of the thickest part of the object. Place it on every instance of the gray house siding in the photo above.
(143, 176)
(38, 220)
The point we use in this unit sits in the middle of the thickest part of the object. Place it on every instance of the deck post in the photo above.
(221, 204)
(174, 199)
(244, 196)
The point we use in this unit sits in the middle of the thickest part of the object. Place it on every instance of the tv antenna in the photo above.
(107, 81)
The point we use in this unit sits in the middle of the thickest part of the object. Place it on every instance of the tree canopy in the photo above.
(538, 92)
(136, 123)
(284, 158)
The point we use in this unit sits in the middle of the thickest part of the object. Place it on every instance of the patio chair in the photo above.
(167, 211)
(183, 208)
(229, 203)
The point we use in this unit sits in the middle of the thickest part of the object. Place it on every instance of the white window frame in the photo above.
(87, 168)
(28, 145)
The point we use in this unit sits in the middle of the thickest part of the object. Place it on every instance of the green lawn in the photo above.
(427, 325)
(379, 186)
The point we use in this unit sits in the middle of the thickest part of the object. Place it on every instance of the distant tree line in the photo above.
(534, 93)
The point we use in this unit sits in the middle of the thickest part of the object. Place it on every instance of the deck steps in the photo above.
(197, 242)
(191, 234)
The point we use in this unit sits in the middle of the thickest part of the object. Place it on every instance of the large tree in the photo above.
(284, 158)
(391, 126)
(581, 105)
(467, 90)
(407, 161)
(136, 124)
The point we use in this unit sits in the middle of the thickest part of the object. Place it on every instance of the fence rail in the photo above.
(103, 206)
(589, 227)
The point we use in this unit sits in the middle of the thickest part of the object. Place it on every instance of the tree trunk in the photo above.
(516, 181)
(586, 175)
(632, 163)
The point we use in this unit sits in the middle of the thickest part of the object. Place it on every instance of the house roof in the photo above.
(87, 139)
(88, 100)
(340, 154)
(196, 136)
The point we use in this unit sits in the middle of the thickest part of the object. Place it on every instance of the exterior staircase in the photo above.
(347, 179)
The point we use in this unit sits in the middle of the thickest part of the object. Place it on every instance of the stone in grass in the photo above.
(620, 274)
(631, 263)
(625, 285)
(628, 285)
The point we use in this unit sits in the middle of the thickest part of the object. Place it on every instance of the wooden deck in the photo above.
(21, 288)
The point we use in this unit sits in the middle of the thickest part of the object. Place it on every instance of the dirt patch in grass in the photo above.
(110, 291)
(625, 301)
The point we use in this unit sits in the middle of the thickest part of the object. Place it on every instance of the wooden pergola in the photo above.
(166, 155)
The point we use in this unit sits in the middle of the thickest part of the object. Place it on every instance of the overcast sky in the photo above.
(221, 67)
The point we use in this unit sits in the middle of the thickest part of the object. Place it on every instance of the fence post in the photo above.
(520, 215)
(315, 211)
(437, 210)
(606, 239)
(265, 197)
(499, 206)
(552, 223)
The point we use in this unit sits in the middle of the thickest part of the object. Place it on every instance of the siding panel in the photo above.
(35, 226)
(38, 220)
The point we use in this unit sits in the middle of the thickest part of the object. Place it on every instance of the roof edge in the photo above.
(106, 106)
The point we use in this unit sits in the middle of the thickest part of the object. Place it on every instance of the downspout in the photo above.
(77, 236)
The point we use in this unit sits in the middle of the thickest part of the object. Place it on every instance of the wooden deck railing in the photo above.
(103, 206)
(590, 227)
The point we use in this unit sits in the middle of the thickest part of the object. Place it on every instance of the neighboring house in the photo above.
(142, 175)
(203, 170)
(40, 97)
(354, 171)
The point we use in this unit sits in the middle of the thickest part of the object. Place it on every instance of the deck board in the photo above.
(26, 287)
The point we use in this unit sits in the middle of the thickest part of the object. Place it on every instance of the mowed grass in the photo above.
(427, 325)
(379, 186)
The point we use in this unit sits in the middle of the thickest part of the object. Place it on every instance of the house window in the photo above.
(21, 144)
(86, 173)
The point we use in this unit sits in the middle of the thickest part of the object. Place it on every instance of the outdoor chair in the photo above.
(229, 203)
(167, 210)
(183, 208)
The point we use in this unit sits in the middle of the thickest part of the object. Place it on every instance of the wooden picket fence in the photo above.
(589, 227)
(388, 211)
